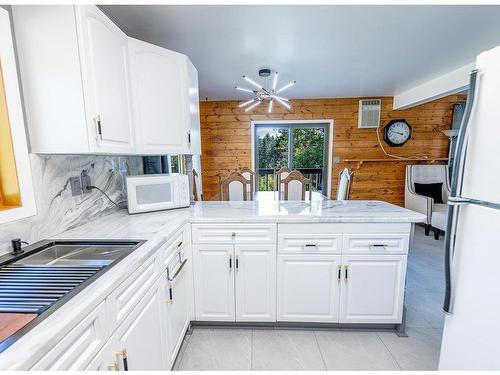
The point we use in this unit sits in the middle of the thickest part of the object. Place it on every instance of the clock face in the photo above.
(397, 132)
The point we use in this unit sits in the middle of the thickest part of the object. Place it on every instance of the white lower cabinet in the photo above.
(372, 288)
(79, 347)
(308, 288)
(255, 283)
(178, 315)
(104, 360)
(235, 282)
(214, 282)
(139, 342)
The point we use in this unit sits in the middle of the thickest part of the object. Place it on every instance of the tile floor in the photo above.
(296, 349)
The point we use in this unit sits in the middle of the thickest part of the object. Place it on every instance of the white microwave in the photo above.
(154, 192)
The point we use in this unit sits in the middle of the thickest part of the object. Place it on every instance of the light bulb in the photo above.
(246, 103)
(286, 87)
(252, 106)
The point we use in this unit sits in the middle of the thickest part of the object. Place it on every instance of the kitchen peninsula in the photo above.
(326, 263)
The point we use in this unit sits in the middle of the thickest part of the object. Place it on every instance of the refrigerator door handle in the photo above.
(457, 174)
(456, 201)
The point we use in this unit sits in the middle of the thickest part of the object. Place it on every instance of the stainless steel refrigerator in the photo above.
(471, 337)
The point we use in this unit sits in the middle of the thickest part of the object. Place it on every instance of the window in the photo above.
(17, 199)
(175, 164)
(301, 146)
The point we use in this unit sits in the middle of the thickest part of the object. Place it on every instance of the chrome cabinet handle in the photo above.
(230, 262)
(310, 245)
(339, 272)
(237, 263)
(180, 244)
(177, 271)
(449, 238)
(97, 120)
(123, 355)
(377, 247)
(346, 272)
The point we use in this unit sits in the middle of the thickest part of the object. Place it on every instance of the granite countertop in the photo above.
(155, 227)
(145, 226)
(354, 211)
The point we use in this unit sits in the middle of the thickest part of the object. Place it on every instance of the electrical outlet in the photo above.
(336, 159)
(85, 181)
(76, 187)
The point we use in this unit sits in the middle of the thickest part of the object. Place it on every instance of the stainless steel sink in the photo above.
(46, 274)
(77, 255)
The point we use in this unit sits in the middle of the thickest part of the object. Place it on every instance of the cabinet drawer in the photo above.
(79, 347)
(176, 242)
(374, 243)
(124, 298)
(234, 233)
(310, 243)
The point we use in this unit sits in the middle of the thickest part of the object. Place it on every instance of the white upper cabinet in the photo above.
(106, 83)
(165, 86)
(194, 109)
(88, 88)
(74, 72)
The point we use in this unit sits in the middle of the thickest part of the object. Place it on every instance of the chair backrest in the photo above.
(281, 174)
(196, 183)
(249, 175)
(428, 174)
(295, 186)
(235, 188)
(345, 183)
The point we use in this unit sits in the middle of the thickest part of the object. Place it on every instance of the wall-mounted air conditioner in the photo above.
(369, 113)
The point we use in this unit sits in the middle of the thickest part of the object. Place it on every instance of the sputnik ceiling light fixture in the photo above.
(262, 94)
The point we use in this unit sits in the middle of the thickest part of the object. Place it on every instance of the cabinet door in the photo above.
(177, 308)
(214, 282)
(372, 288)
(140, 341)
(194, 109)
(75, 350)
(255, 282)
(160, 97)
(105, 73)
(308, 288)
(104, 360)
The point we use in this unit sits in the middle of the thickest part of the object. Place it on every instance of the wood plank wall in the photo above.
(226, 140)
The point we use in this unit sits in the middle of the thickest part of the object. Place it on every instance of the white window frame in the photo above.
(16, 121)
(329, 123)
(169, 157)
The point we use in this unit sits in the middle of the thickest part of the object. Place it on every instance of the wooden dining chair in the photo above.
(249, 175)
(196, 183)
(235, 188)
(281, 174)
(295, 186)
(345, 182)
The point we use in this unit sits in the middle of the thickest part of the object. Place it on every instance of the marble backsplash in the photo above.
(57, 209)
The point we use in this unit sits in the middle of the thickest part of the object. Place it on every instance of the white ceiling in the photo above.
(331, 51)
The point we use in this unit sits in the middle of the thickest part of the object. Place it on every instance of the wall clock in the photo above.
(397, 133)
